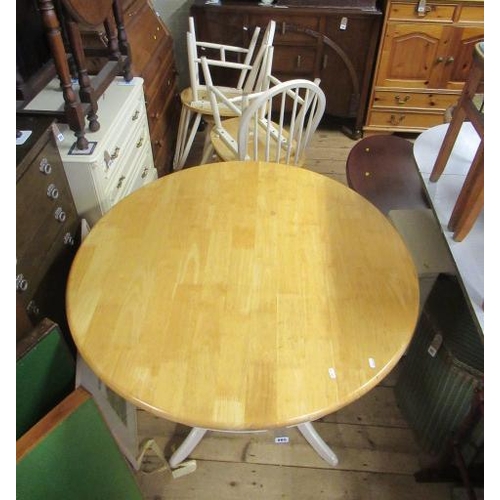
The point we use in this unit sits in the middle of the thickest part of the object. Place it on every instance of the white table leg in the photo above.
(187, 446)
(315, 440)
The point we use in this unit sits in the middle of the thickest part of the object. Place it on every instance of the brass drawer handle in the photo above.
(144, 172)
(422, 9)
(135, 116)
(115, 154)
(400, 101)
(396, 121)
(139, 142)
(120, 182)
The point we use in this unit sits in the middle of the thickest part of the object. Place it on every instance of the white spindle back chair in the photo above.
(275, 124)
(195, 101)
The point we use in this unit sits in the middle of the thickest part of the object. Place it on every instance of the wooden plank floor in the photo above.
(377, 451)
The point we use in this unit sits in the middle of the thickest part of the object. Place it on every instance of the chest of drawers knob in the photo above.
(60, 214)
(45, 166)
(52, 192)
(21, 283)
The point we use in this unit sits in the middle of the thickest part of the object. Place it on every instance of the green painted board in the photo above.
(78, 460)
(45, 374)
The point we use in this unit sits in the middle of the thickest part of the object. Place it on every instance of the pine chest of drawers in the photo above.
(424, 57)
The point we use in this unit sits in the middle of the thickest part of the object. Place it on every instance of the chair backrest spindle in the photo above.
(297, 106)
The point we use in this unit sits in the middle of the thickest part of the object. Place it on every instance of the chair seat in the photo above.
(202, 105)
(383, 170)
(232, 126)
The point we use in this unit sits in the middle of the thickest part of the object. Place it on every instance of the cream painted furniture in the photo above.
(119, 159)
(243, 296)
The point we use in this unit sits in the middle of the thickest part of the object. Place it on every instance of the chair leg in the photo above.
(188, 126)
(181, 137)
(470, 201)
(208, 149)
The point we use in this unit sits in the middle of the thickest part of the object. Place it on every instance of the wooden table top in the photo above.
(242, 296)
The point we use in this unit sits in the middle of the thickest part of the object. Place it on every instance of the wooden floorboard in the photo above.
(376, 448)
(231, 481)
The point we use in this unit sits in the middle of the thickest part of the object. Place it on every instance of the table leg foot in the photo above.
(315, 440)
(188, 445)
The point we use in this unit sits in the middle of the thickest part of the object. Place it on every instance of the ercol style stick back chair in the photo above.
(275, 124)
(195, 102)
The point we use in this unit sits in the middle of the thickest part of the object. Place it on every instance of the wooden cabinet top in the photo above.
(281, 6)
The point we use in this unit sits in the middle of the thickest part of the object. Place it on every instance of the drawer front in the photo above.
(434, 12)
(404, 120)
(412, 100)
(161, 86)
(114, 155)
(164, 134)
(471, 14)
(294, 60)
(143, 174)
(43, 199)
(117, 186)
(145, 34)
(289, 28)
(45, 250)
(44, 297)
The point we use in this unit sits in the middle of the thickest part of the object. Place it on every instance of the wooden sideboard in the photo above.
(152, 52)
(423, 61)
(47, 227)
(335, 41)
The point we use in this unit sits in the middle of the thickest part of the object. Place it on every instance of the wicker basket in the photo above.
(435, 392)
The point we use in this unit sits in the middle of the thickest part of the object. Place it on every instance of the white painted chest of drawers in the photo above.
(119, 159)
